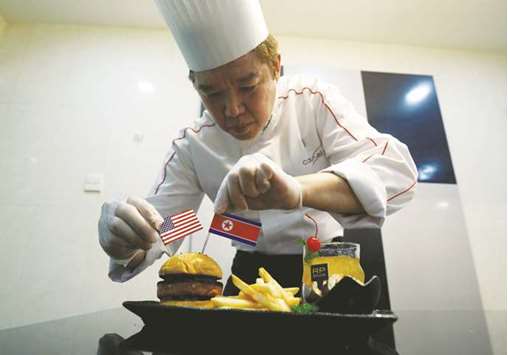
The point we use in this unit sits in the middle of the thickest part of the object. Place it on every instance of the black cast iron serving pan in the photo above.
(194, 329)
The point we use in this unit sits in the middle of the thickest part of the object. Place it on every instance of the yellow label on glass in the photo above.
(336, 265)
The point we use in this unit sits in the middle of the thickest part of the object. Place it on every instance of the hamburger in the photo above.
(189, 280)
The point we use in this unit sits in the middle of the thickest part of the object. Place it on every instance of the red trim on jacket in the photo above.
(345, 129)
(402, 192)
(372, 140)
(325, 104)
(383, 153)
(172, 155)
(386, 146)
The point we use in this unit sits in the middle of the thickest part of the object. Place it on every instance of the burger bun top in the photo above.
(191, 264)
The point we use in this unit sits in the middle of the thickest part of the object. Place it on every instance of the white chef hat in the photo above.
(211, 33)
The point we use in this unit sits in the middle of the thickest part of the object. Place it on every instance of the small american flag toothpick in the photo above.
(179, 226)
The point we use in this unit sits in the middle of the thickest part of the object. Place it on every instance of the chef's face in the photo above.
(239, 95)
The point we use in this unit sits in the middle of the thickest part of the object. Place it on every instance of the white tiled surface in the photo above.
(72, 98)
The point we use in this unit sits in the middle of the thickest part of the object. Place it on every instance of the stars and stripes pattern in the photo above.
(179, 226)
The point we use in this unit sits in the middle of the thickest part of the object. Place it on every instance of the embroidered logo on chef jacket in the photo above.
(318, 153)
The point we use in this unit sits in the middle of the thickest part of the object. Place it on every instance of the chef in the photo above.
(266, 148)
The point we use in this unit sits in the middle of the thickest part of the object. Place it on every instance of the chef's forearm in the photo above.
(329, 192)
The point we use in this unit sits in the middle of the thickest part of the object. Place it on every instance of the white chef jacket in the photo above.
(312, 129)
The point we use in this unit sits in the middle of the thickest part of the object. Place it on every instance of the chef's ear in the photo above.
(191, 76)
(276, 68)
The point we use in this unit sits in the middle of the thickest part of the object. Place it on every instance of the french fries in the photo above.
(235, 302)
(265, 294)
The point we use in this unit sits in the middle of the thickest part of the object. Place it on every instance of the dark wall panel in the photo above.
(406, 106)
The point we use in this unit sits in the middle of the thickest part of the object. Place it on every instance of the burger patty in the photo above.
(189, 289)
(187, 277)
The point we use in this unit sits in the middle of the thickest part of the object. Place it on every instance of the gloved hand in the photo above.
(127, 229)
(257, 183)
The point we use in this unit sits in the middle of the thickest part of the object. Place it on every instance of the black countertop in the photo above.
(416, 332)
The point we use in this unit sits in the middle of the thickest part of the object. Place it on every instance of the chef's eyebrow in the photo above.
(247, 79)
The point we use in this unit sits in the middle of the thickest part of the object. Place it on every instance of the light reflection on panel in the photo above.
(407, 107)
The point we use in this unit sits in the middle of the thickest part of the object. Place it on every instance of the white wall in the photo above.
(72, 98)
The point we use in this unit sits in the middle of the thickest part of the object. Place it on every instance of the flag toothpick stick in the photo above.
(206, 242)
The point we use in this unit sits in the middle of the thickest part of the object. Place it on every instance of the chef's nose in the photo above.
(234, 106)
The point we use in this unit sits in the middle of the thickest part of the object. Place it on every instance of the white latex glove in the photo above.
(257, 183)
(127, 229)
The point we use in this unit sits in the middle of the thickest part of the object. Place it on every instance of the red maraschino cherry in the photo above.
(313, 244)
